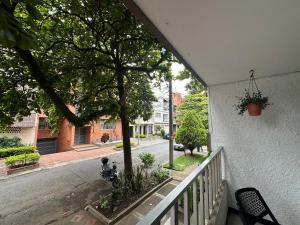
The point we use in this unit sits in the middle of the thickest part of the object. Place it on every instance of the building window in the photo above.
(43, 124)
(107, 125)
(165, 117)
(157, 115)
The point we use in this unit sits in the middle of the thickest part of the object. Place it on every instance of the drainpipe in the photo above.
(170, 124)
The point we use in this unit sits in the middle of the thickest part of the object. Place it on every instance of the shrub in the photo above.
(162, 132)
(22, 160)
(141, 136)
(120, 145)
(192, 132)
(6, 142)
(105, 137)
(6, 152)
(147, 159)
(160, 174)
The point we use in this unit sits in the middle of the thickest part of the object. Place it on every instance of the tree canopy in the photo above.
(93, 55)
(196, 103)
(193, 86)
(191, 132)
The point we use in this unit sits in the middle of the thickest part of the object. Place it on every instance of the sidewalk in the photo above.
(64, 158)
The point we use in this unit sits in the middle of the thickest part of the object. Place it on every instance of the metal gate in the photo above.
(81, 135)
(46, 146)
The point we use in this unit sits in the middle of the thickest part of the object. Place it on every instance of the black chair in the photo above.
(253, 208)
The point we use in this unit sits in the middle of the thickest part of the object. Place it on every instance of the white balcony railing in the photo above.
(202, 187)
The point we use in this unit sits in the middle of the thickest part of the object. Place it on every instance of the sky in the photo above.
(179, 85)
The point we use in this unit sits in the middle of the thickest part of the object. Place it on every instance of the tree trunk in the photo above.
(125, 126)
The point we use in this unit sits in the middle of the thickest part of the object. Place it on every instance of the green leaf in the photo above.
(32, 10)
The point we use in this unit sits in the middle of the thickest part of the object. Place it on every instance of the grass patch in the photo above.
(181, 162)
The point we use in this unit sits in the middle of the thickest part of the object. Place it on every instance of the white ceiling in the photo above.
(223, 39)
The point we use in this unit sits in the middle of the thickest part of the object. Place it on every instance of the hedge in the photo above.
(6, 142)
(22, 160)
(6, 152)
(120, 145)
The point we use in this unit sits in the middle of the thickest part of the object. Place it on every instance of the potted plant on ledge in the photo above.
(253, 101)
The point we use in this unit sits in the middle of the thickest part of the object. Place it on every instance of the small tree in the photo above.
(192, 132)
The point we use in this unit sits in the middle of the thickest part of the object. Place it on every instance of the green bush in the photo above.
(6, 142)
(22, 160)
(160, 174)
(147, 159)
(6, 152)
(162, 132)
(120, 145)
(141, 136)
(191, 132)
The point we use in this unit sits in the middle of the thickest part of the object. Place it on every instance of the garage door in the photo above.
(46, 146)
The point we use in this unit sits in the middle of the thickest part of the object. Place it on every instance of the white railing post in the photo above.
(210, 186)
(201, 202)
(186, 209)
(218, 172)
(213, 182)
(216, 178)
(206, 195)
(195, 203)
(174, 214)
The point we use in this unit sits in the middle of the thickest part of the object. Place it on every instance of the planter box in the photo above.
(126, 211)
(10, 171)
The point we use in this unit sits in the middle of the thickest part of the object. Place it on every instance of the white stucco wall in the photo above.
(262, 152)
(27, 135)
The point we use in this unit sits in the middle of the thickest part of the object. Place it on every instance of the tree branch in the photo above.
(147, 70)
(39, 76)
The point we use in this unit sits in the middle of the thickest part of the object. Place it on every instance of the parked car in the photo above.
(178, 147)
(166, 136)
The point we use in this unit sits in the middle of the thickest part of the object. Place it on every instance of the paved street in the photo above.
(48, 196)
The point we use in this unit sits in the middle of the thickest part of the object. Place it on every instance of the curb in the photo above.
(68, 163)
(53, 166)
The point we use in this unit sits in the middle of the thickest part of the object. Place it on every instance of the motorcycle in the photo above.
(109, 173)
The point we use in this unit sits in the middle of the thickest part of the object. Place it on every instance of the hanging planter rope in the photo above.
(253, 101)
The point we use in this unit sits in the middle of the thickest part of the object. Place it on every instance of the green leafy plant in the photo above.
(256, 98)
(160, 174)
(192, 132)
(140, 136)
(120, 145)
(6, 142)
(22, 160)
(104, 137)
(103, 202)
(6, 152)
(162, 132)
(147, 159)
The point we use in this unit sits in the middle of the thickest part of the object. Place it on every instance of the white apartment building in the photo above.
(160, 117)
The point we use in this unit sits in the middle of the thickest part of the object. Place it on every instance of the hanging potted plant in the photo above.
(253, 101)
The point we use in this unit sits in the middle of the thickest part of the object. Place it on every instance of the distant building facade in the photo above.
(160, 117)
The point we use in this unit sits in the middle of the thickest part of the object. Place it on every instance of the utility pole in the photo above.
(170, 124)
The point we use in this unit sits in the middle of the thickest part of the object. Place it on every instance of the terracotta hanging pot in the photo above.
(254, 109)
